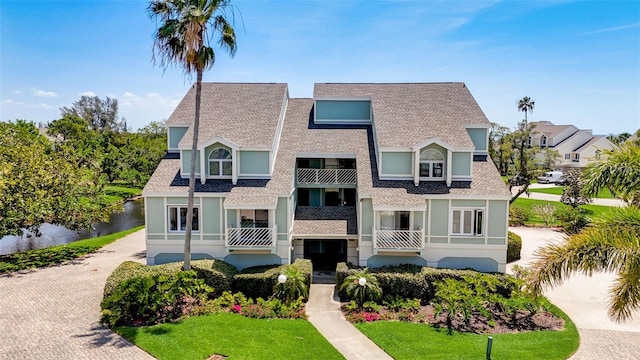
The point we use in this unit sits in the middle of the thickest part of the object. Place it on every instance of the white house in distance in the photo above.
(372, 174)
(577, 148)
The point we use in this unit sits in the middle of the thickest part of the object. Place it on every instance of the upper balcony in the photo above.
(326, 171)
(398, 240)
(254, 238)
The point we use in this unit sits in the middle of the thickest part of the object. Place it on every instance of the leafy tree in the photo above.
(618, 139)
(573, 193)
(610, 245)
(69, 127)
(102, 115)
(549, 158)
(619, 172)
(184, 38)
(40, 183)
(500, 148)
(524, 158)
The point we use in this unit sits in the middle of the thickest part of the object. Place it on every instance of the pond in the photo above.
(132, 216)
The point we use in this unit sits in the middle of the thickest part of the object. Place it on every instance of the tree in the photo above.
(500, 148)
(618, 139)
(40, 183)
(524, 159)
(102, 115)
(184, 38)
(619, 172)
(573, 192)
(69, 127)
(610, 244)
(549, 158)
(526, 105)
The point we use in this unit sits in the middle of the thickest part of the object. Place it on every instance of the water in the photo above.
(132, 216)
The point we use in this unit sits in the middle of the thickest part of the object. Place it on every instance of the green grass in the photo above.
(58, 254)
(594, 211)
(404, 340)
(234, 336)
(557, 190)
(122, 192)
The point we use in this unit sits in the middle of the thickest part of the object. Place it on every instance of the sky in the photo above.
(578, 60)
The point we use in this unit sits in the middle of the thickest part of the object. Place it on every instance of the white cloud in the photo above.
(87, 93)
(12, 102)
(611, 29)
(142, 109)
(42, 93)
(18, 92)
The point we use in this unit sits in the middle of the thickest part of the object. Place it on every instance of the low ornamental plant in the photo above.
(362, 286)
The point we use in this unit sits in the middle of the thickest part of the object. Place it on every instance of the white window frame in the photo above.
(254, 216)
(178, 208)
(474, 213)
(543, 141)
(431, 163)
(598, 155)
(576, 157)
(395, 214)
(220, 163)
(567, 156)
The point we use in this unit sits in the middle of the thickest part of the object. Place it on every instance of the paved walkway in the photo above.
(324, 313)
(52, 313)
(585, 300)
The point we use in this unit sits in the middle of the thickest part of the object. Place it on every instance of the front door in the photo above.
(325, 254)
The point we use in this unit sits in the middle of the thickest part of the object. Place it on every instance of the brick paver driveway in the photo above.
(584, 299)
(53, 313)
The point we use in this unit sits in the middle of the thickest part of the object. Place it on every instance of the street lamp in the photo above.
(362, 281)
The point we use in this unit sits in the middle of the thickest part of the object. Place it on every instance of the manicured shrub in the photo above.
(514, 246)
(153, 298)
(518, 215)
(261, 284)
(361, 293)
(572, 220)
(295, 286)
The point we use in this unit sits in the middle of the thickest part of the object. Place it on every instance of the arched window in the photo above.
(543, 141)
(431, 164)
(220, 163)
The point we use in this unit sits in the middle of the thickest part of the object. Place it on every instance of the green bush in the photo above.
(261, 284)
(514, 246)
(573, 220)
(370, 291)
(216, 273)
(518, 215)
(153, 298)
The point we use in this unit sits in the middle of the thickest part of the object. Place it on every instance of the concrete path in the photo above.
(52, 313)
(585, 300)
(552, 197)
(324, 313)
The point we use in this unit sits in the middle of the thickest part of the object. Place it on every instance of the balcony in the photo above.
(326, 176)
(398, 240)
(251, 238)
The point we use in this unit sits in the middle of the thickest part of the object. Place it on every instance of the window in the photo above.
(598, 156)
(576, 157)
(254, 218)
(529, 141)
(543, 141)
(220, 163)
(467, 222)
(178, 218)
(395, 220)
(431, 164)
(567, 156)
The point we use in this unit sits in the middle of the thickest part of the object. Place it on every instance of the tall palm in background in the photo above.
(184, 38)
(526, 105)
(610, 244)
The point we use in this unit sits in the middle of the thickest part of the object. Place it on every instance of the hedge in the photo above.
(514, 246)
(407, 282)
(215, 273)
(259, 281)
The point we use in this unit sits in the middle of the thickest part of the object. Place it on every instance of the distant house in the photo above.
(372, 174)
(577, 148)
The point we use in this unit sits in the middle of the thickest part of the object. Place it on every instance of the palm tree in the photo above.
(183, 38)
(526, 105)
(610, 244)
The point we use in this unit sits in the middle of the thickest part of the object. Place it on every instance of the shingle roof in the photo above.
(410, 113)
(233, 111)
(548, 128)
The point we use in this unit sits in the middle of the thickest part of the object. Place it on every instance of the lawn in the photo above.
(234, 336)
(404, 340)
(114, 193)
(57, 254)
(557, 190)
(594, 211)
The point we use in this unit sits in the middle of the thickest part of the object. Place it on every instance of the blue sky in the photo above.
(578, 60)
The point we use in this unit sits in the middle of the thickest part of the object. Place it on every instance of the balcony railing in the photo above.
(398, 239)
(326, 176)
(251, 237)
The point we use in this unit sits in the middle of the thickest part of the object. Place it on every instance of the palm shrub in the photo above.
(370, 291)
(453, 297)
(293, 288)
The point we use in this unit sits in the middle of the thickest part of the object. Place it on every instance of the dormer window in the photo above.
(220, 163)
(543, 141)
(431, 165)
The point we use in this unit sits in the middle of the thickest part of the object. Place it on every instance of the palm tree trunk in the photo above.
(192, 175)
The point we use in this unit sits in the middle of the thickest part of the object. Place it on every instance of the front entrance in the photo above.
(325, 254)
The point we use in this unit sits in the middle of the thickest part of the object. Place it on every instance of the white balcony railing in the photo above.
(326, 176)
(398, 239)
(251, 237)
